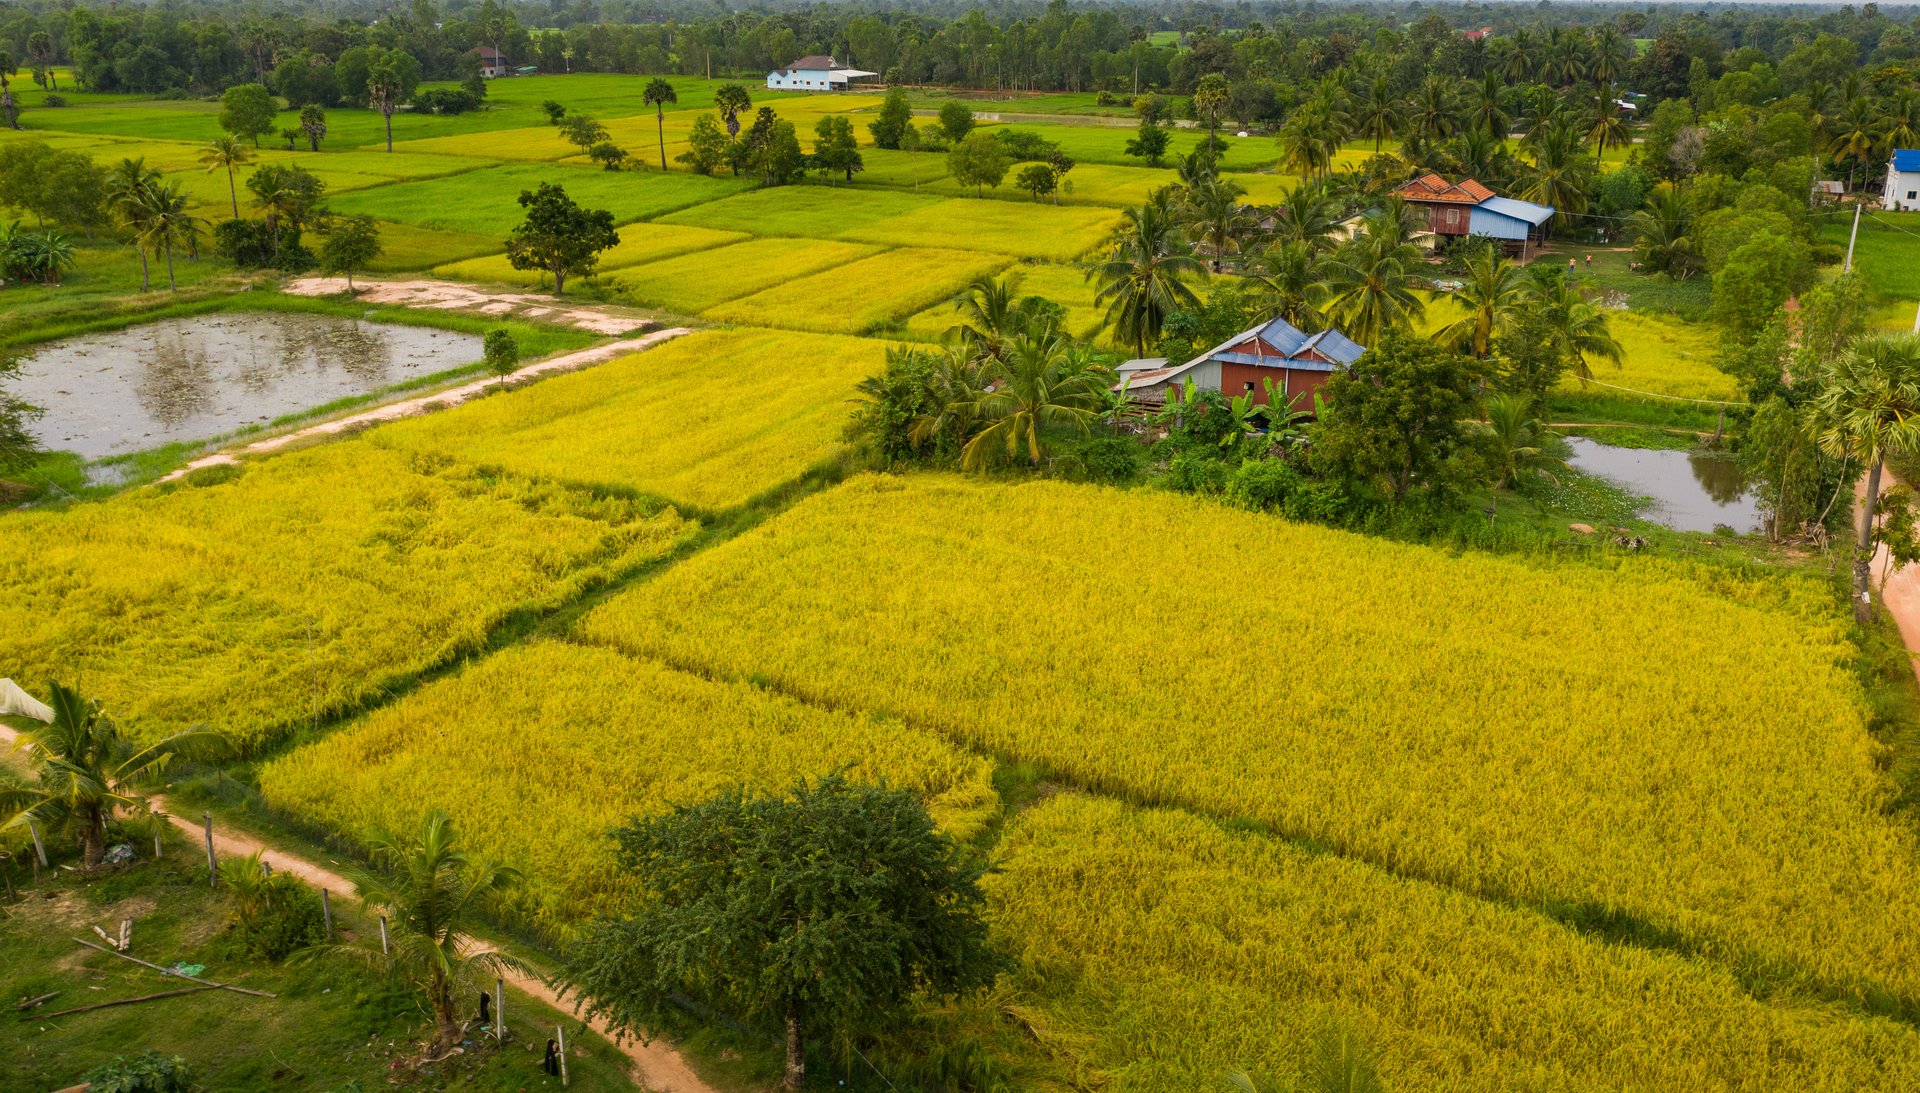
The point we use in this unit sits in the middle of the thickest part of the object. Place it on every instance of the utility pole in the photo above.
(1851, 236)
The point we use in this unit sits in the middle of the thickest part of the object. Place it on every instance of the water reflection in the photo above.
(188, 379)
(1689, 491)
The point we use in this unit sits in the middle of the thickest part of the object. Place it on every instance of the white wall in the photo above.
(805, 79)
(1903, 190)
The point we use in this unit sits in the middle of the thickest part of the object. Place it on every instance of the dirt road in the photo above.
(656, 1066)
(452, 396)
(453, 296)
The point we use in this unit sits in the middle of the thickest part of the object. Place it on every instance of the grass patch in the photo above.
(1003, 227)
(486, 202)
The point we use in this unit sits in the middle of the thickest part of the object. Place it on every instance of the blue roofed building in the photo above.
(1275, 355)
(1510, 220)
(1903, 180)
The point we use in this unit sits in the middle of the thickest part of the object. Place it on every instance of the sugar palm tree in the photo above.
(164, 221)
(1288, 280)
(1369, 281)
(226, 153)
(1869, 407)
(313, 123)
(431, 891)
(657, 95)
(1576, 329)
(1217, 217)
(1046, 384)
(1491, 294)
(87, 770)
(1143, 278)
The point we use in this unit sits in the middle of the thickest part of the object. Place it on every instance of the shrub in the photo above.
(272, 916)
(149, 1073)
(54, 101)
(502, 352)
(1263, 483)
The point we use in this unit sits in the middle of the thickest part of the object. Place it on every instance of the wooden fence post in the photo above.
(326, 912)
(39, 851)
(562, 1031)
(499, 1009)
(213, 865)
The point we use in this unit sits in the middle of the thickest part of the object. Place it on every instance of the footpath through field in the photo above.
(452, 396)
(656, 1066)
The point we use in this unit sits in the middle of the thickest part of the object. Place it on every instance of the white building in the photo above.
(816, 73)
(493, 64)
(1903, 180)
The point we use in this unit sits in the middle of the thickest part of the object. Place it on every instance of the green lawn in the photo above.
(486, 202)
(1887, 251)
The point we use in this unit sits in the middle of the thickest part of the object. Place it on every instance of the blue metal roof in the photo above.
(1906, 159)
(1517, 209)
(1335, 346)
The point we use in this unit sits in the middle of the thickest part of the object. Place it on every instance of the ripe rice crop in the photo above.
(884, 166)
(1667, 746)
(1159, 950)
(299, 587)
(819, 212)
(639, 243)
(862, 296)
(1660, 355)
(488, 201)
(1064, 285)
(695, 282)
(1026, 229)
(668, 421)
(540, 750)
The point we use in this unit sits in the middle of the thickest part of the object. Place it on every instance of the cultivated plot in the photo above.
(692, 283)
(1025, 229)
(639, 244)
(488, 201)
(863, 296)
(820, 212)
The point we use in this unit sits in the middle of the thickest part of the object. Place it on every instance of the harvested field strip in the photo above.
(1469, 720)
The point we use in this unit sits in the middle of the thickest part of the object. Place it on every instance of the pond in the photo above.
(190, 379)
(1690, 490)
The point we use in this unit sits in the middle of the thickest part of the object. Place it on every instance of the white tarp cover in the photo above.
(15, 702)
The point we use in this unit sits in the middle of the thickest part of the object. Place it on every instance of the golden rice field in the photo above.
(1028, 230)
(639, 244)
(301, 588)
(668, 421)
(542, 749)
(864, 296)
(692, 283)
(1158, 952)
(1681, 748)
(1064, 285)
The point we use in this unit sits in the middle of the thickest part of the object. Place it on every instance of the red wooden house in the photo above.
(1448, 205)
(1297, 363)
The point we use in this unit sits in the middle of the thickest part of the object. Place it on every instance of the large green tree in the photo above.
(247, 111)
(558, 236)
(821, 910)
(1397, 416)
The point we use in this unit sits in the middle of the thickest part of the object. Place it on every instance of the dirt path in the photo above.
(656, 1066)
(454, 296)
(1899, 590)
(452, 396)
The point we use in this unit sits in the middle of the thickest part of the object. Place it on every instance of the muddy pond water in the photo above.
(1690, 490)
(193, 378)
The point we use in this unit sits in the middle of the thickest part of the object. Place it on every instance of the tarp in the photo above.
(15, 702)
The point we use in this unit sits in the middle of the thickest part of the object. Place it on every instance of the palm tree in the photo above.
(1516, 434)
(1219, 219)
(960, 378)
(1869, 407)
(430, 891)
(1481, 154)
(1609, 128)
(1433, 115)
(1559, 174)
(1288, 280)
(313, 123)
(227, 152)
(1045, 384)
(1856, 135)
(1210, 97)
(658, 94)
(1303, 149)
(1575, 328)
(128, 186)
(1143, 279)
(1612, 53)
(166, 221)
(1565, 61)
(1488, 105)
(87, 771)
(1379, 112)
(1524, 61)
(990, 313)
(1307, 214)
(1490, 296)
(1369, 280)
(1900, 120)
(731, 100)
(1662, 235)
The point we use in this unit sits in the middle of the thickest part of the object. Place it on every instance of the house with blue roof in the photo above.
(1903, 180)
(1274, 354)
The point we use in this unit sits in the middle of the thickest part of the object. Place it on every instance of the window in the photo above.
(1247, 387)
(1911, 195)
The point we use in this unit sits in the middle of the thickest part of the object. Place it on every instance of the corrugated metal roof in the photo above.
(1519, 210)
(1332, 344)
(1432, 187)
(1906, 159)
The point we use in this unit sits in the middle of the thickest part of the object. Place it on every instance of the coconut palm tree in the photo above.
(1303, 145)
(1045, 384)
(1379, 113)
(657, 95)
(1143, 278)
(1856, 135)
(1523, 62)
(1217, 217)
(1869, 407)
(960, 378)
(1559, 175)
(1612, 53)
(1517, 434)
(87, 770)
(128, 186)
(431, 891)
(1609, 127)
(1492, 293)
(1369, 279)
(1288, 280)
(1487, 105)
(226, 153)
(1576, 329)
(164, 221)
(1307, 215)
(1900, 119)
(1663, 235)
(1433, 114)
(990, 313)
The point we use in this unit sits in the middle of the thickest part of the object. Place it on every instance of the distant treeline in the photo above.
(1269, 53)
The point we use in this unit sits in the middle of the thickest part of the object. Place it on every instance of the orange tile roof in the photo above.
(1431, 187)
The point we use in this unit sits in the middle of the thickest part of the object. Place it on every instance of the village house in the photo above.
(1296, 362)
(493, 63)
(1903, 180)
(1454, 210)
(816, 73)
